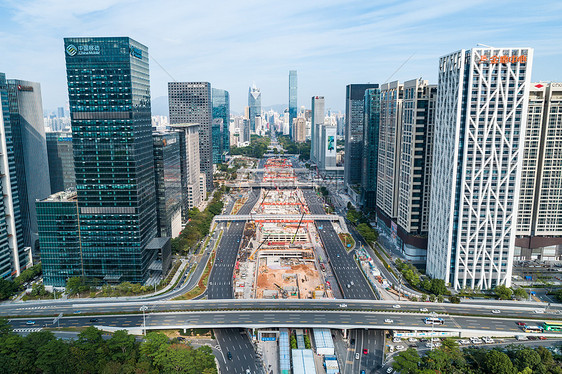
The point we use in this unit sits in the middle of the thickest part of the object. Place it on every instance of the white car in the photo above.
(343, 305)
(357, 356)
(539, 311)
(396, 306)
(389, 370)
(412, 340)
(488, 340)
(396, 340)
(496, 311)
(388, 320)
(424, 310)
(429, 345)
(399, 347)
(464, 342)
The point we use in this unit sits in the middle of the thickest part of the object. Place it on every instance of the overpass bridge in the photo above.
(339, 319)
(272, 184)
(282, 218)
(296, 170)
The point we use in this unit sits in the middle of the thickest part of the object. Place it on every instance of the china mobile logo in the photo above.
(71, 50)
(502, 59)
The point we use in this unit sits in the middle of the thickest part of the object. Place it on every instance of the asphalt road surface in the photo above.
(242, 353)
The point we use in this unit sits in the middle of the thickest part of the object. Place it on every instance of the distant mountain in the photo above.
(160, 106)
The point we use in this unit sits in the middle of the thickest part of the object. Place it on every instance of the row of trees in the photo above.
(302, 149)
(9, 287)
(514, 359)
(42, 352)
(199, 224)
(506, 293)
(257, 148)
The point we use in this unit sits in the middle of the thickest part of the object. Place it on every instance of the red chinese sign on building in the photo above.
(502, 59)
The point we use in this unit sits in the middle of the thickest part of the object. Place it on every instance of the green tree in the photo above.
(455, 299)
(74, 284)
(520, 293)
(496, 362)
(525, 357)
(121, 346)
(7, 288)
(152, 343)
(432, 297)
(503, 292)
(407, 362)
(52, 357)
(438, 287)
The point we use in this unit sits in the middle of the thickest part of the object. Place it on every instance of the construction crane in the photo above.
(284, 293)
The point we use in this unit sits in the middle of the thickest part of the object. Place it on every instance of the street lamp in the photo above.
(433, 316)
(143, 309)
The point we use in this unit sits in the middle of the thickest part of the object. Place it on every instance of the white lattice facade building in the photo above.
(479, 132)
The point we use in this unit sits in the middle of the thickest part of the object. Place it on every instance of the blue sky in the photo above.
(234, 43)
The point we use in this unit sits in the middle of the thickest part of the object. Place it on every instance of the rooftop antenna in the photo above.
(400, 67)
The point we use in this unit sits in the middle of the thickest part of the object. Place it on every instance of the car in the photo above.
(496, 311)
(521, 324)
(357, 356)
(399, 347)
(343, 305)
(396, 340)
(429, 345)
(532, 337)
(93, 320)
(391, 348)
(30, 323)
(542, 337)
(353, 284)
(229, 355)
(362, 371)
(424, 310)
(348, 286)
(464, 342)
(389, 370)
(338, 255)
(388, 320)
(538, 311)
(352, 342)
(77, 312)
(396, 306)
(412, 340)
(365, 351)
(181, 338)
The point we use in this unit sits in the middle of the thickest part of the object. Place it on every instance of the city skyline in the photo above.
(354, 47)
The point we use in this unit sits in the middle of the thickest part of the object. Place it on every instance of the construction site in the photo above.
(280, 258)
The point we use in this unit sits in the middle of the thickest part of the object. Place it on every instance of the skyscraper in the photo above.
(190, 102)
(61, 160)
(390, 130)
(482, 100)
(221, 109)
(13, 257)
(189, 166)
(317, 120)
(109, 94)
(167, 173)
(32, 167)
(216, 135)
(370, 148)
(354, 117)
(254, 106)
(539, 223)
(292, 100)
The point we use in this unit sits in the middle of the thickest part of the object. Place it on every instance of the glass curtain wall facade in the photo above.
(61, 160)
(254, 106)
(221, 109)
(371, 147)
(292, 101)
(109, 94)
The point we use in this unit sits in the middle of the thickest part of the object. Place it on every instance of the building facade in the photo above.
(254, 106)
(299, 130)
(109, 95)
(354, 118)
(539, 223)
(216, 140)
(327, 148)
(482, 101)
(221, 109)
(292, 100)
(190, 102)
(370, 148)
(167, 173)
(317, 120)
(13, 255)
(59, 238)
(61, 160)
(30, 147)
(191, 192)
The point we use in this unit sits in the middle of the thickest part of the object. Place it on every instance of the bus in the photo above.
(533, 329)
(433, 321)
(552, 326)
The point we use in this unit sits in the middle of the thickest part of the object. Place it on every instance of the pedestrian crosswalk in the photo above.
(35, 329)
(34, 307)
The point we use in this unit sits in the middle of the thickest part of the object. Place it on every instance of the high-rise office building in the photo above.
(59, 238)
(60, 112)
(30, 147)
(292, 100)
(254, 106)
(354, 118)
(390, 130)
(221, 109)
(327, 148)
(191, 193)
(216, 136)
(370, 148)
(299, 130)
(13, 255)
(190, 102)
(167, 172)
(61, 160)
(109, 94)
(539, 223)
(316, 120)
(482, 101)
